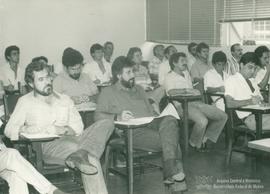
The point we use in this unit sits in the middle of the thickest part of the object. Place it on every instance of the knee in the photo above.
(202, 122)
(169, 120)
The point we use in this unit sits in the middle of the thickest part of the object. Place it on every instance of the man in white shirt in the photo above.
(164, 67)
(45, 111)
(214, 78)
(18, 172)
(241, 91)
(77, 85)
(263, 73)
(158, 58)
(191, 54)
(108, 51)
(99, 69)
(233, 62)
(208, 120)
(11, 73)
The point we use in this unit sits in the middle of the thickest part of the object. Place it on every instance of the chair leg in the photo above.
(229, 154)
(106, 163)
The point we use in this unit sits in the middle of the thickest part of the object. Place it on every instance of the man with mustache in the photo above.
(125, 100)
(208, 120)
(76, 84)
(45, 111)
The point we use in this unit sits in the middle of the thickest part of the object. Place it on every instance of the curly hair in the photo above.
(29, 71)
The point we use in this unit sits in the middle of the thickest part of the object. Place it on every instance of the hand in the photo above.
(30, 129)
(126, 115)
(97, 81)
(221, 89)
(60, 130)
(256, 100)
(85, 98)
(76, 99)
(10, 87)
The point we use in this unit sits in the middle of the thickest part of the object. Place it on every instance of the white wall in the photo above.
(47, 27)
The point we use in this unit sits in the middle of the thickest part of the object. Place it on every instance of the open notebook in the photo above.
(169, 110)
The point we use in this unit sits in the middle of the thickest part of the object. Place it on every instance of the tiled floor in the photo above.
(205, 173)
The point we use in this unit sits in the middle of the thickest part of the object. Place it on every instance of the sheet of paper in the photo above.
(137, 121)
(257, 106)
(169, 110)
(262, 144)
(38, 135)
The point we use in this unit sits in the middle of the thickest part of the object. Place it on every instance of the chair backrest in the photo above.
(10, 102)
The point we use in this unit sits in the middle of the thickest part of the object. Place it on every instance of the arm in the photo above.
(265, 79)
(17, 120)
(232, 103)
(75, 123)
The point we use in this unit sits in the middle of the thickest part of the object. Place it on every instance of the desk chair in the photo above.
(236, 129)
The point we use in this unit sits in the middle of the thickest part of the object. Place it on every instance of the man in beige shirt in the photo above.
(45, 111)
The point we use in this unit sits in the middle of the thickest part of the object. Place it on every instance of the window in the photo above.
(183, 21)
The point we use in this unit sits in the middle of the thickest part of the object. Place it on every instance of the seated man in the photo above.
(263, 73)
(158, 52)
(77, 85)
(99, 69)
(209, 121)
(45, 111)
(241, 91)
(164, 67)
(125, 100)
(201, 65)
(18, 172)
(214, 78)
(11, 73)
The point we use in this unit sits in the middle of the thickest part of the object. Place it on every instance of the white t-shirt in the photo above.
(7, 75)
(164, 69)
(176, 81)
(237, 87)
(213, 79)
(260, 75)
(93, 70)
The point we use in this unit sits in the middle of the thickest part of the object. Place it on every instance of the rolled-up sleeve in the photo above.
(75, 120)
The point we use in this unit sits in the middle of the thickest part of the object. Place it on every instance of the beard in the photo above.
(128, 84)
(47, 90)
(75, 76)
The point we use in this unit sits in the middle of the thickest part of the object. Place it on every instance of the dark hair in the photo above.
(118, 65)
(71, 57)
(234, 45)
(40, 58)
(95, 47)
(190, 45)
(201, 46)
(175, 58)
(166, 51)
(131, 52)
(260, 50)
(250, 57)
(155, 48)
(219, 56)
(107, 43)
(10, 49)
(29, 71)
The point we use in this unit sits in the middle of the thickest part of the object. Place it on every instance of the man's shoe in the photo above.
(80, 162)
(179, 177)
